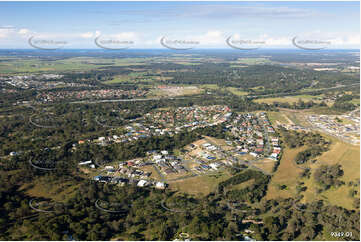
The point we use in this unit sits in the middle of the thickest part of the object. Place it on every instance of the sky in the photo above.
(139, 25)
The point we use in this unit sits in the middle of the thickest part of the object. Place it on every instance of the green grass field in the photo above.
(276, 116)
(233, 90)
(355, 101)
(20, 65)
(119, 79)
(289, 99)
(51, 189)
(200, 185)
(252, 61)
(286, 174)
(237, 91)
(348, 156)
(266, 165)
(209, 86)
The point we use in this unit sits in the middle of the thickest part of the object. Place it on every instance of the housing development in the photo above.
(179, 121)
(250, 138)
(349, 130)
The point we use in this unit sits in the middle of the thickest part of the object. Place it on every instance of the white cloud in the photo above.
(346, 40)
(87, 35)
(213, 37)
(23, 31)
(232, 11)
(7, 32)
(10, 36)
(125, 36)
(277, 41)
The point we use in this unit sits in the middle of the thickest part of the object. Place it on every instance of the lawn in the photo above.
(50, 189)
(200, 185)
(119, 79)
(355, 101)
(233, 90)
(286, 174)
(172, 91)
(277, 116)
(237, 91)
(266, 165)
(240, 186)
(151, 169)
(295, 118)
(209, 86)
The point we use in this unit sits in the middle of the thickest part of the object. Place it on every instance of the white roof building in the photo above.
(160, 185)
(85, 163)
(214, 166)
(142, 183)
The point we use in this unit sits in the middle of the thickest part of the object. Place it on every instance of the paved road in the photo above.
(40, 126)
(316, 128)
(160, 174)
(242, 162)
(267, 138)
